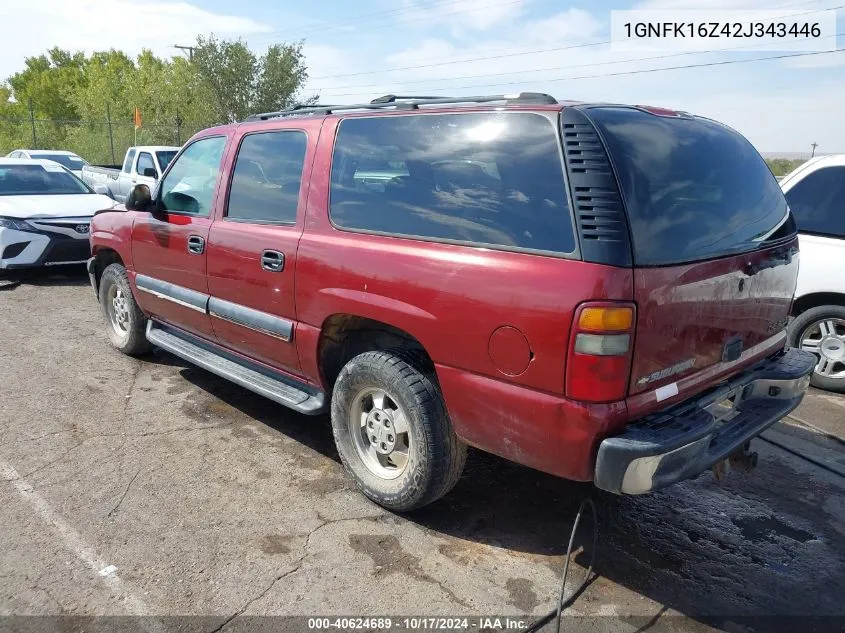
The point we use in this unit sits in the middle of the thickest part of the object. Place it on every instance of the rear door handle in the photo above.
(274, 261)
(196, 244)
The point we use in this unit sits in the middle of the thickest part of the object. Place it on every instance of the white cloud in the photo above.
(739, 5)
(782, 121)
(31, 27)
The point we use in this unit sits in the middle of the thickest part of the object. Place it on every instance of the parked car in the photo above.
(45, 213)
(816, 194)
(599, 292)
(71, 161)
(141, 165)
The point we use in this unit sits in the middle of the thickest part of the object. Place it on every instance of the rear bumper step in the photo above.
(210, 357)
(683, 441)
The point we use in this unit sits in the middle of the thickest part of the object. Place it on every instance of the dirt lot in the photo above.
(152, 488)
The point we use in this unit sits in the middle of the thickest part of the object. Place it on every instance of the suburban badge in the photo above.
(669, 371)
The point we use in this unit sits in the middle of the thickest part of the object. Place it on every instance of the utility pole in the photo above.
(32, 122)
(111, 138)
(815, 145)
(190, 50)
(178, 129)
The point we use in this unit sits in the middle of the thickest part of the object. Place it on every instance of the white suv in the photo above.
(816, 194)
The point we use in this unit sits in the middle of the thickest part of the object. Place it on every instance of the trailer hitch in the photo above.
(742, 459)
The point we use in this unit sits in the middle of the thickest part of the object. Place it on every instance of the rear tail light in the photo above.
(601, 346)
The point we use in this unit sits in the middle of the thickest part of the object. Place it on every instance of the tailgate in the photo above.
(714, 249)
(694, 316)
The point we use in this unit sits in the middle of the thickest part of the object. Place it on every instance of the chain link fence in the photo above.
(100, 142)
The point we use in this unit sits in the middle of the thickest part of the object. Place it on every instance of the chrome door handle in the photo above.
(196, 244)
(274, 261)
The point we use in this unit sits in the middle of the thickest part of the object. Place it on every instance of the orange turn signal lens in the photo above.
(606, 319)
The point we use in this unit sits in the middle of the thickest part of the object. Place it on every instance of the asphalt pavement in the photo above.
(153, 489)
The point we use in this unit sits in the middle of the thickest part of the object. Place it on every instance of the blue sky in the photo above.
(471, 47)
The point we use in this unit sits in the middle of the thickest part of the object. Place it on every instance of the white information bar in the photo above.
(782, 30)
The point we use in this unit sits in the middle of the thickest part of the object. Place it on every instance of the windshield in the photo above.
(25, 180)
(164, 158)
(69, 161)
(694, 189)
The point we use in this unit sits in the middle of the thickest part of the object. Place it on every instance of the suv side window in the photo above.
(189, 185)
(145, 161)
(127, 162)
(818, 202)
(267, 177)
(492, 179)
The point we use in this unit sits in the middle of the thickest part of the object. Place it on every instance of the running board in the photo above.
(210, 357)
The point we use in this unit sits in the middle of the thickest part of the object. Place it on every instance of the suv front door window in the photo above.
(190, 184)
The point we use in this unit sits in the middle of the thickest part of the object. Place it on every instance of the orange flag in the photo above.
(136, 118)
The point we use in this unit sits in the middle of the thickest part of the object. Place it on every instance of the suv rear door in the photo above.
(714, 249)
(252, 248)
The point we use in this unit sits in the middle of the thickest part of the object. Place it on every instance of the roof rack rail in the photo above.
(395, 98)
(406, 103)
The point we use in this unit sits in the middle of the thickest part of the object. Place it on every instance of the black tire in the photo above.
(436, 456)
(133, 339)
(802, 324)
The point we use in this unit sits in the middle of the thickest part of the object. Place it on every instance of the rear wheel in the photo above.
(821, 331)
(126, 324)
(392, 431)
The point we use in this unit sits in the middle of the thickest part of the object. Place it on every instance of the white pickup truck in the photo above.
(816, 194)
(142, 165)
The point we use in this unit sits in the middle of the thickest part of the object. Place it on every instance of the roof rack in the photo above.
(394, 98)
(407, 103)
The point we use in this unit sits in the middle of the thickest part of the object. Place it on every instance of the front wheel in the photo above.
(126, 324)
(821, 331)
(392, 431)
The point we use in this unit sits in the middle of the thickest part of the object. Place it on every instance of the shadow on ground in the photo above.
(756, 545)
(69, 275)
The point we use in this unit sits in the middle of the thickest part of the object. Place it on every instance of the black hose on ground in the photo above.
(562, 604)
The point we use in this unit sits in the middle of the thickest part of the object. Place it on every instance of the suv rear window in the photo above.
(694, 189)
(482, 178)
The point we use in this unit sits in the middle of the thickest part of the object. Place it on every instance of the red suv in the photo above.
(597, 291)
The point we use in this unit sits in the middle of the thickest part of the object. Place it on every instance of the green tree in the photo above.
(73, 95)
(783, 166)
(242, 84)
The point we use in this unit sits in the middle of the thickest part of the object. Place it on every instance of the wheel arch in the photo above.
(104, 256)
(345, 335)
(815, 300)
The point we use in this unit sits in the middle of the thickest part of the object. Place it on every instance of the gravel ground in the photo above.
(151, 488)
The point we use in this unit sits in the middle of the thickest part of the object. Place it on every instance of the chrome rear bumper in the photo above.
(690, 437)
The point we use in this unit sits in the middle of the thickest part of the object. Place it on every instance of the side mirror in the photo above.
(139, 199)
(150, 172)
(103, 191)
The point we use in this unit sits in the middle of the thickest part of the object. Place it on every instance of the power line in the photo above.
(568, 66)
(631, 72)
(531, 52)
(463, 61)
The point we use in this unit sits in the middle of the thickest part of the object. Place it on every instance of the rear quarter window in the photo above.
(488, 179)
(693, 189)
